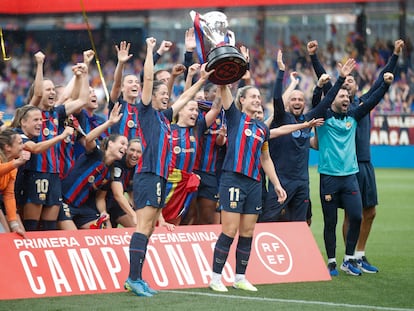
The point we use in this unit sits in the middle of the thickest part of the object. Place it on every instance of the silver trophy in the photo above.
(216, 47)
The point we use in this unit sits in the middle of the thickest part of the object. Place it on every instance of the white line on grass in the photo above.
(309, 302)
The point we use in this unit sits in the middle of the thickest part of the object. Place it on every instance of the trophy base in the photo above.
(229, 64)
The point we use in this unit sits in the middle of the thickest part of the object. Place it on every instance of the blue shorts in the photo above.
(64, 212)
(340, 192)
(367, 184)
(208, 187)
(296, 206)
(87, 213)
(240, 194)
(114, 210)
(149, 190)
(42, 188)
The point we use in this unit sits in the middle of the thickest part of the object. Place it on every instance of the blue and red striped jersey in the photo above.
(87, 123)
(207, 150)
(155, 139)
(128, 126)
(124, 174)
(87, 175)
(48, 161)
(245, 138)
(184, 144)
(66, 154)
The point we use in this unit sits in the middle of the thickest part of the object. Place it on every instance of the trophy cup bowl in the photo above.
(228, 63)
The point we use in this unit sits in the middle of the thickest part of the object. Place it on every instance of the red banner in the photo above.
(65, 6)
(393, 130)
(55, 263)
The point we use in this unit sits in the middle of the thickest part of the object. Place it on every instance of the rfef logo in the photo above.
(273, 253)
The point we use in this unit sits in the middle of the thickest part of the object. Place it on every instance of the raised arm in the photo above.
(164, 47)
(189, 94)
(278, 105)
(114, 117)
(75, 105)
(190, 46)
(375, 97)
(389, 67)
(294, 82)
(289, 128)
(317, 91)
(216, 107)
(46, 144)
(312, 48)
(148, 80)
(123, 56)
(177, 70)
(72, 89)
(38, 82)
(344, 70)
(192, 71)
(226, 96)
(246, 79)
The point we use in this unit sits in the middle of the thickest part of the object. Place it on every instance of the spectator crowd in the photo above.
(17, 74)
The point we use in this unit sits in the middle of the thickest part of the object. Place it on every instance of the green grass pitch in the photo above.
(390, 247)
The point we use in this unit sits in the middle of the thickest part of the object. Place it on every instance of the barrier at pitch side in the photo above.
(56, 263)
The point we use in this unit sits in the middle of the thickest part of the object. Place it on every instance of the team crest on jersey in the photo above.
(218, 121)
(248, 132)
(296, 134)
(192, 138)
(348, 125)
(131, 124)
(46, 132)
(42, 196)
(328, 197)
(233, 205)
(91, 179)
(177, 150)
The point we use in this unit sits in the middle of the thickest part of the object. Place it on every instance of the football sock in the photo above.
(244, 246)
(221, 251)
(137, 250)
(30, 224)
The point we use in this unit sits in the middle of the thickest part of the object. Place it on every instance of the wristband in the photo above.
(13, 224)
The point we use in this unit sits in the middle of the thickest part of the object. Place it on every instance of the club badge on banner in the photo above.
(55, 263)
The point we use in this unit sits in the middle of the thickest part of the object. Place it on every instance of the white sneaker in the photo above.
(218, 287)
(244, 285)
